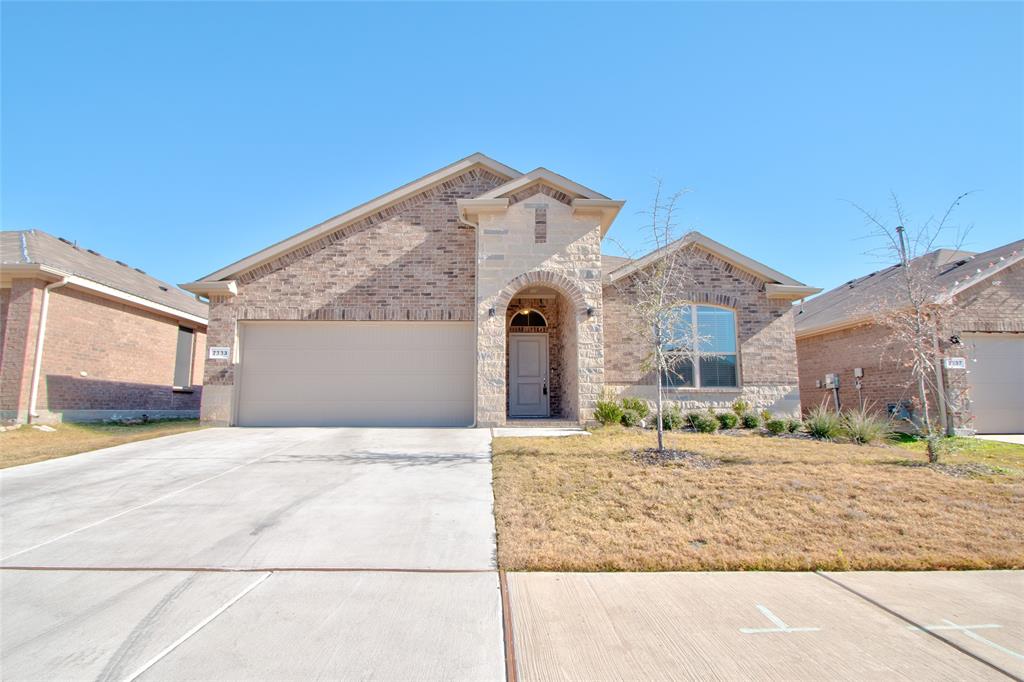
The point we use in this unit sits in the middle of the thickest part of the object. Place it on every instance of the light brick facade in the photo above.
(101, 359)
(764, 334)
(994, 305)
(419, 259)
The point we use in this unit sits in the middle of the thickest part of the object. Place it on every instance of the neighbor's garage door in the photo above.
(356, 374)
(997, 382)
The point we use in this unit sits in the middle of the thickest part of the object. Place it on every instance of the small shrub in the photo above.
(793, 425)
(671, 418)
(703, 423)
(631, 417)
(863, 427)
(750, 420)
(766, 416)
(692, 418)
(823, 423)
(608, 412)
(740, 407)
(639, 406)
(776, 426)
(727, 420)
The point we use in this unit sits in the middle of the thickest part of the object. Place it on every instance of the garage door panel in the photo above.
(357, 374)
(996, 381)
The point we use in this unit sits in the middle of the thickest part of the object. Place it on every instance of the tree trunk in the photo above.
(661, 421)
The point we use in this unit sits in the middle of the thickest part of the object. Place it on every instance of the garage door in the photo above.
(997, 382)
(356, 374)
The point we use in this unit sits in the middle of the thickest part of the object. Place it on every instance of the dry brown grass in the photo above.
(27, 445)
(584, 504)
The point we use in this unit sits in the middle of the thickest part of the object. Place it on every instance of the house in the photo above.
(471, 296)
(982, 373)
(86, 338)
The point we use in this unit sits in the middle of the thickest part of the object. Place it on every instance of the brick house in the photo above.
(474, 295)
(86, 338)
(983, 381)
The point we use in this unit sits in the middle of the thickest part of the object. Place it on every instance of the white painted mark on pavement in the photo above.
(780, 625)
(199, 626)
(969, 631)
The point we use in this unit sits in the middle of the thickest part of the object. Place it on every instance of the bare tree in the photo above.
(660, 291)
(916, 309)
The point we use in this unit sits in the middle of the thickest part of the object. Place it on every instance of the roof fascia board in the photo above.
(543, 175)
(606, 209)
(54, 274)
(381, 202)
(838, 326)
(223, 287)
(724, 252)
(790, 292)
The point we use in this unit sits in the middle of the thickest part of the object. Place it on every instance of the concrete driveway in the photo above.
(257, 554)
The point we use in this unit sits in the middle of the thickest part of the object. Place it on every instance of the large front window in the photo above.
(713, 331)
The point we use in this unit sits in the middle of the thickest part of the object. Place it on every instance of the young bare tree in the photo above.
(916, 310)
(659, 292)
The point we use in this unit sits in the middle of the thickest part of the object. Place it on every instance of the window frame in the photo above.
(527, 311)
(697, 384)
(191, 358)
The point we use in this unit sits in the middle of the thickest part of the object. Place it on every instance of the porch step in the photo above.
(541, 423)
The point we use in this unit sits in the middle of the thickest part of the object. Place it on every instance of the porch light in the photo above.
(490, 312)
(590, 312)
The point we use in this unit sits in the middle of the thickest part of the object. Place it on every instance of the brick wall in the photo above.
(765, 338)
(995, 305)
(99, 355)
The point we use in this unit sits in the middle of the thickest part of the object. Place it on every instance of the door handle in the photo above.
(545, 387)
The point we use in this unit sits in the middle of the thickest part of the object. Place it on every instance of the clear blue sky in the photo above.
(180, 137)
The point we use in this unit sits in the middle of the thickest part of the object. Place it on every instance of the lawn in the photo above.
(27, 445)
(753, 503)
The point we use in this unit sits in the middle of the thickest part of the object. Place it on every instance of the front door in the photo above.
(528, 375)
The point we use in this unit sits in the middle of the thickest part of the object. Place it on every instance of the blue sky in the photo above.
(180, 137)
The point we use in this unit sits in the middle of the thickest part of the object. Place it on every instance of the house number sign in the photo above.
(956, 363)
(220, 353)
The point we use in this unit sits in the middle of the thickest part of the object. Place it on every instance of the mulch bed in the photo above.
(651, 456)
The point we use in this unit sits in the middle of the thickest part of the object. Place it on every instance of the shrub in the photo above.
(750, 420)
(671, 418)
(631, 417)
(793, 425)
(766, 416)
(776, 426)
(705, 423)
(727, 420)
(863, 427)
(823, 423)
(740, 407)
(608, 412)
(639, 406)
(692, 418)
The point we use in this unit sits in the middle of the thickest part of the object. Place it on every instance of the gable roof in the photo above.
(543, 175)
(60, 257)
(857, 301)
(383, 201)
(777, 284)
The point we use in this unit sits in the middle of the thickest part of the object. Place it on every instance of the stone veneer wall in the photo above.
(408, 262)
(550, 309)
(765, 337)
(509, 259)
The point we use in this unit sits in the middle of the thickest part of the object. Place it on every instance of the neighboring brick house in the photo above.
(88, 338)
(474, 295)
(837, 334)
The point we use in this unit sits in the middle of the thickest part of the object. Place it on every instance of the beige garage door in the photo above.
(356, 374)
(997, 382)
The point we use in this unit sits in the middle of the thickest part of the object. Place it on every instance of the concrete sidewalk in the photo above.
(767, 626)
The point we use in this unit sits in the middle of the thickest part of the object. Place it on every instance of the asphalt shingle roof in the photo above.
(41, 248)
(880, 290)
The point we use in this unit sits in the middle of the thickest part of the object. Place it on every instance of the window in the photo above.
(528, 318)
(715, 328)
(183, 358)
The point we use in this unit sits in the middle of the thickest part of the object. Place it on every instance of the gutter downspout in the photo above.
(476, 316)
(40, 340)
(940, 386)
